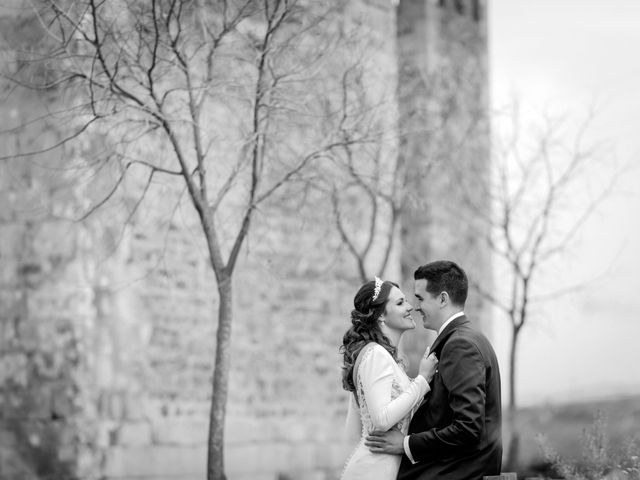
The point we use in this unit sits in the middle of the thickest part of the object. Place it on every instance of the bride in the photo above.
(383, 396)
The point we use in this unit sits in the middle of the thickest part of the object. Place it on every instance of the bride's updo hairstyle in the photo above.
(369, 306)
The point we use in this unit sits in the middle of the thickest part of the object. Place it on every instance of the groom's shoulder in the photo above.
(466, 332)
(480, 341)
(469, 343)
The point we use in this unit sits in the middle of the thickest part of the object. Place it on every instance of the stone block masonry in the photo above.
(108, 326)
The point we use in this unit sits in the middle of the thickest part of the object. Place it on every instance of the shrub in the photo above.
(598, 461)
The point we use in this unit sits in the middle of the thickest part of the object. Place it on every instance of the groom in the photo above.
(456, 432)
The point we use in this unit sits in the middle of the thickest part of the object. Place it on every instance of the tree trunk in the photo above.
(512, 371)
(215, 457)
(513, 448)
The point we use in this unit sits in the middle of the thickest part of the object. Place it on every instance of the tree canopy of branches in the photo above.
(232, 96)
(366, 199)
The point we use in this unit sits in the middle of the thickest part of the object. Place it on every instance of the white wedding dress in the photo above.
(388, 398)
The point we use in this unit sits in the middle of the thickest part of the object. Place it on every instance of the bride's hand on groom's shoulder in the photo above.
(391, 441)
(428, 365)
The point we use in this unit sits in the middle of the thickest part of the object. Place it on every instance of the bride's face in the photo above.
(398, 311)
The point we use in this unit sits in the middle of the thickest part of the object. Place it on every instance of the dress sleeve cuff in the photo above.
(406, 448)
(423, 384)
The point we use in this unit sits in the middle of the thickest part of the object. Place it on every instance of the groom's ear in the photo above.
(444, 298)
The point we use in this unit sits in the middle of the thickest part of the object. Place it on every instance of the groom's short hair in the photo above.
(444, 276)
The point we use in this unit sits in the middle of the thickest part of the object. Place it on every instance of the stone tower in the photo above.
(444, 139)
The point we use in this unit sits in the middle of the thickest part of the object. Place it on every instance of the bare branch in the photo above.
(345, 238)
(585, 215)
(155, 168)
(494, 300)
(55, 146)
(107, 197)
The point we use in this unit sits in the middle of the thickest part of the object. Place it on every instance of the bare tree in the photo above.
(379, 216)
(362, 182)
(369, 172)
(230, 92)
(542, 193)
(376, 171)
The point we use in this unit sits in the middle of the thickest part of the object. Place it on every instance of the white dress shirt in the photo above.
(440, 330)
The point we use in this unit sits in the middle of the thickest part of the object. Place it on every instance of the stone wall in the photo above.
(109, 324)
(47, 306)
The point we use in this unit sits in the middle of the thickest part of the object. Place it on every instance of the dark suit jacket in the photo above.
(456, 433)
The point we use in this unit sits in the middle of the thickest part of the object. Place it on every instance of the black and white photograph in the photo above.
(319, 240)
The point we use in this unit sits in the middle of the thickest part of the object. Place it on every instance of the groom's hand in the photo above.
(386, 442)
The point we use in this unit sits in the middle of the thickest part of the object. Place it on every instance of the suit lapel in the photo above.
(438, 343)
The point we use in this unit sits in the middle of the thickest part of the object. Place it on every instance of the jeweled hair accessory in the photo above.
(376, 290)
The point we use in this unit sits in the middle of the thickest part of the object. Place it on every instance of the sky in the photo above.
(564, 57)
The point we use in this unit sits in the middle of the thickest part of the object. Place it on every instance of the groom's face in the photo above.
(427, 305)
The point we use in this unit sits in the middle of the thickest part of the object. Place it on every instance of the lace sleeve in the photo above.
(377, 377)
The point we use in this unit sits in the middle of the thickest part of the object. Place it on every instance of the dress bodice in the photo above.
(379, 369)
